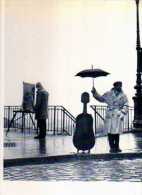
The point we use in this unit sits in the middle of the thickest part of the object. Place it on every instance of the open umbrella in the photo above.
(93, 73)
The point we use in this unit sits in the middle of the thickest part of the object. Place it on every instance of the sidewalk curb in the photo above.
(70, 157)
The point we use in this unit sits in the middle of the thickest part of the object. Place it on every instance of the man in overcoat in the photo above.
(117, 108)
(41, 110)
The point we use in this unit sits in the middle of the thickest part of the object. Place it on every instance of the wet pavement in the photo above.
(26, 146)
(55, 159)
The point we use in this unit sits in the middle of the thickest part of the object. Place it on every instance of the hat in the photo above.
(39, 85)
(117, 83)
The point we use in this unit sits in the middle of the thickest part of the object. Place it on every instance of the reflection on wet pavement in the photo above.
(26, 146)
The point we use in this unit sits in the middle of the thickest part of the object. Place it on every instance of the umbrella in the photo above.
(93, 73)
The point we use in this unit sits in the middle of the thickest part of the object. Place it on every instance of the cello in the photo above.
(84, 138)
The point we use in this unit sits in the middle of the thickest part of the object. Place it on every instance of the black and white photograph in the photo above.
(71, 93)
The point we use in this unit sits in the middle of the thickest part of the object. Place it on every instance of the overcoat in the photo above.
(41, 106)
(116, 110)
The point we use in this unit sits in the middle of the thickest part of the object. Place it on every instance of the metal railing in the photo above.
(60, 121)
(99, 117)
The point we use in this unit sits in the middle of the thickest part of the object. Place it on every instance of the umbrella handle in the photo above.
(93, 82)
(93, 78)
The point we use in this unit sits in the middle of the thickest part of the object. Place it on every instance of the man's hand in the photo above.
(120, 115)
(93, 91)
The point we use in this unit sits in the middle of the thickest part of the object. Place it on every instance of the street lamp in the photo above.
(138, 96)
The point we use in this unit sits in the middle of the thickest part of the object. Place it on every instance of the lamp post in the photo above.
(138, 95)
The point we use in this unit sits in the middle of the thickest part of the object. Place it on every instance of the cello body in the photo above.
(84, 138)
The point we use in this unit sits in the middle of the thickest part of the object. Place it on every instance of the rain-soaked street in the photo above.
(85, 170)
(56, 160)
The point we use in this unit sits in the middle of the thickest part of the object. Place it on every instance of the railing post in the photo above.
(8, 115)
(54, 121)
(23, 122)
(128, 118)
(63, 121)
(95, 117)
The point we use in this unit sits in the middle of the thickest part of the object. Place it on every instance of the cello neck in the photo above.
(85, 108)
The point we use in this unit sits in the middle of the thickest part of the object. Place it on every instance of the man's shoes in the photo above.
(39, 137)
(118, 150)
(114, 150)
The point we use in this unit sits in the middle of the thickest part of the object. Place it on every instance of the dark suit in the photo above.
(41, 111)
